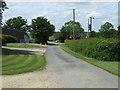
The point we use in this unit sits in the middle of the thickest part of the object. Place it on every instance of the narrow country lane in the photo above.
(75, 73)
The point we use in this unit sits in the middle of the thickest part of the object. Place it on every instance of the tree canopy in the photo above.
(41, 29)
(17, 23)
(107, 30)
(106, 27)
(68, 29)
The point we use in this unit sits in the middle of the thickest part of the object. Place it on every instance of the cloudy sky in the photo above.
(60, 12)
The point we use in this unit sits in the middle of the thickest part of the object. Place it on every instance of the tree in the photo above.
(107, 30)
(118, 31)
(3, 6)
(17, 23)
(67, 30)
(41, 29)
(106, 27)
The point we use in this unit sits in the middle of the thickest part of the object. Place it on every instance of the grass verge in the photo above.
(110, 66)
(14, 62)
(22, 45)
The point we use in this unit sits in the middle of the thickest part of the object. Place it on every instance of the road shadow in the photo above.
(16, 52)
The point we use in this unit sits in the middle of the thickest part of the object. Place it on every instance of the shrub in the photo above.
(92, 34)
(3, 41)
(98, 48)
(8, 39)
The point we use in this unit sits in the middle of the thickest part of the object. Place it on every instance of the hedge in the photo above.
(8, 39)
(98, 48)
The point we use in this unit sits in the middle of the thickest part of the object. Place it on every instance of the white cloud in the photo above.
(94, 14)
(62, 0)
(114, 18)
(108, 20)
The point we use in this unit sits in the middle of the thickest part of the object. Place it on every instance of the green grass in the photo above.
(14, 62)
(13, 52)
(110, 66)
(22, 45)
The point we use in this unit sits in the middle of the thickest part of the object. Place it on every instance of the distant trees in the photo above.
(67, 30)
(55, 36)
(107, 30)
(17, 23)
(41, 29)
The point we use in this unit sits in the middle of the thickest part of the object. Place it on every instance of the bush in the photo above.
(8, 39)
(92, 34)
(98, 48)
(3, 41)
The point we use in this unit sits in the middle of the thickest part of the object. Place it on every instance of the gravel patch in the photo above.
(36, 79)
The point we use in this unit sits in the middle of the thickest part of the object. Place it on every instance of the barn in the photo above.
(20, 35)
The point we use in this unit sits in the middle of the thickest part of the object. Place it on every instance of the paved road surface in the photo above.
(75, 73)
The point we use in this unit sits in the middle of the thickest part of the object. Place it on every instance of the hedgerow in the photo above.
(98, 48)
(8, 39)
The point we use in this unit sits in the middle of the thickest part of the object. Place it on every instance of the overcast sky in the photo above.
(60, 12)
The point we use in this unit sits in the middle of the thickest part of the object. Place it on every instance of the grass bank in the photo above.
(110, 66)
(14, 62)
(22, 45)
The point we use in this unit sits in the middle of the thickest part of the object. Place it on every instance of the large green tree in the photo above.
(107, 30)
(17, 23)
(41, 29)
(69, 28)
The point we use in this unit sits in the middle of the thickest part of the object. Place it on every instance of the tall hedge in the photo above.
(98, 48)
(8, 39)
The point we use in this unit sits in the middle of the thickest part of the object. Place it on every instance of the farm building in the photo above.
(21, 36)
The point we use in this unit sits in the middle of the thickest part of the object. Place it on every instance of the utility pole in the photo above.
(74, 24)
(88, 28)
(90, 23)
